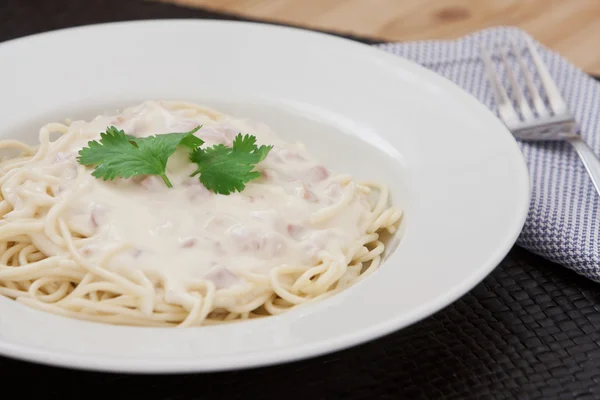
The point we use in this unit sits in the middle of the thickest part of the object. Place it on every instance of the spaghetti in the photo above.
(133, 252)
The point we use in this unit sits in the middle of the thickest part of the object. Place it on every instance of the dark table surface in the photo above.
(530, 330)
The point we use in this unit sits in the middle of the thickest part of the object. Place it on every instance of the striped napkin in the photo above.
(563, 224)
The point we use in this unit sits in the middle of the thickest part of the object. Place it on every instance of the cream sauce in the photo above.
(186, 233)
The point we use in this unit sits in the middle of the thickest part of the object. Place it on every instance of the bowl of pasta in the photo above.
(208, 197)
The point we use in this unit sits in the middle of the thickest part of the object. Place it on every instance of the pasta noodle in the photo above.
(107, 251)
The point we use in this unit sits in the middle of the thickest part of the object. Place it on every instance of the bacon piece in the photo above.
(222, 277)
(292, 155)
(283, 155)
(93, 220)
(307, 194)
(318, 173)
(295, 231)
(266, 244)
(189, 243)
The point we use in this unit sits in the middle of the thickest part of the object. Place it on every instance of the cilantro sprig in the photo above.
(121, 155)
(225, 169)
(222, 169)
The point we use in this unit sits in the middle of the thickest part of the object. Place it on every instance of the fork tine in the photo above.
(538, 102)
(556, 101)
(505, 107)
(516, 88)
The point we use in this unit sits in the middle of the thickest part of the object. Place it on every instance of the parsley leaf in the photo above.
(122, 155)
(225, 169)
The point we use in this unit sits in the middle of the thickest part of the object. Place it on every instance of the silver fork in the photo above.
(546, 123)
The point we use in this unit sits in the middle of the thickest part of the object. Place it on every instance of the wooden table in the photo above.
(571, 27)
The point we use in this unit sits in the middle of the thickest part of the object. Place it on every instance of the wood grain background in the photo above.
(571, 27)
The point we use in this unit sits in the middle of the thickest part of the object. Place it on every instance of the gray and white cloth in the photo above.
(563, 224)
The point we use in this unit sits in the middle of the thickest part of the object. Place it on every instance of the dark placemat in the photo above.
(531, 330)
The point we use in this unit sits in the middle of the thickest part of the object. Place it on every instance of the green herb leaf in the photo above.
(121, 155)
(225, 169)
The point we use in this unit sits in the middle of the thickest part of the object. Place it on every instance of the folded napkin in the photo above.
(563, 224)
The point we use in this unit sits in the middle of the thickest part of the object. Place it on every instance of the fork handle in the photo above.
(589, 158)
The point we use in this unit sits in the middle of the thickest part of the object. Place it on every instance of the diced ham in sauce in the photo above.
(221, 277)
(189, 243)
(306, 193)
(296, 231)
(265, 244)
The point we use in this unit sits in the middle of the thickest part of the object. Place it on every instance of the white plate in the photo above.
(452, 166)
